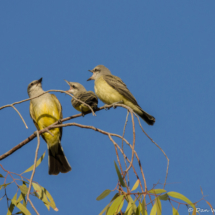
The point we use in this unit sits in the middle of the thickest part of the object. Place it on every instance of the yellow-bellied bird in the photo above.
(111, 89)
(82, 94)
(45, 110)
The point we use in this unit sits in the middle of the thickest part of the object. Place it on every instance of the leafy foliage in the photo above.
(20, 202)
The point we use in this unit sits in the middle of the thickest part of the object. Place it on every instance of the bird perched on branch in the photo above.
(82, 94)
(111, 90)
(45, 110)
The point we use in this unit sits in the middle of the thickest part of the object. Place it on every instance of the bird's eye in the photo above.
(96, 70)
(73, 86)
(32, 84)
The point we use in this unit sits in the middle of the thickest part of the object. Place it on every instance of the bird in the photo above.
(88, 97)
(46, 110)
(111, 89)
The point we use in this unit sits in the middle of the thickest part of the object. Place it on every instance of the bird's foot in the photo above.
(59, 121)
(115, 103)
(82, 112)
(106, 107)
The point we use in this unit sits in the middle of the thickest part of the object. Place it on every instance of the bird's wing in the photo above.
(33, 116)
(59, 107)
(120, 87)
(87, 97)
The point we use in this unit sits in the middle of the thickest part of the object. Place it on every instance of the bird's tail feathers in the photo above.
(57, 160)
(150, 120)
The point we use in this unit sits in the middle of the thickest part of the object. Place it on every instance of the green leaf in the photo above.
(131, 208)
(103, 195)
(138, 211)
(153, 210)
(135, 185)
(41, 195)
(24, 189)
(119, 175)
(37, 163)
(4, 185)
(21, 207)
(164, 197)
(158, 205)
(1, 176)
(157, 191)
(115, 196)
(144, 212)
(10, 209)
(105, 209)
(51, 200)
(182, 197)
(174, 211)
(116, 205)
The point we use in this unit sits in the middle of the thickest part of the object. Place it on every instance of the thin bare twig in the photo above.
(61, 91)
(20, 116)
(35, 161)
(115, 146)
(32, 205)
(167, 170)
(31, 137)
(126, 121)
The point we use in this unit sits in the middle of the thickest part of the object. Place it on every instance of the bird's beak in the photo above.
(40, 80)
(69, 86)
(89, 79)
(67, 82)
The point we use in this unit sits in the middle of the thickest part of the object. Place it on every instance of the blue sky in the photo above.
(164, 52)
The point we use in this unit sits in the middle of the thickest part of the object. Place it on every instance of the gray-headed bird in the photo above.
(111, 89)
(82, 94)
(45, 110)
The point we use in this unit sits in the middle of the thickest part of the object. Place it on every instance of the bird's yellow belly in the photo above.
(109, 95)
(82, 108)
(46, 114)
(106, 93)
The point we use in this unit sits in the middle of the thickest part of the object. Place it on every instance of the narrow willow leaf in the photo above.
(153, 210)
(20, 198)
(138, 211)
(182, 197)
(201, 190)
(21, 207)
(115, 196)
(116, 205)
(24, 201)
(24, 189)
(105, 209)
(135, 185)
(103, 195)
(194, 211)
(157, 191)
(158, 205)
(144, 212)
(131, 208)
(164, 197)
(210, 206)
(37, 163)
(4, 185)
(174, 211)
(51, 200)
(10, 209)
(1, 176)
(119, 175)
(41, 195)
